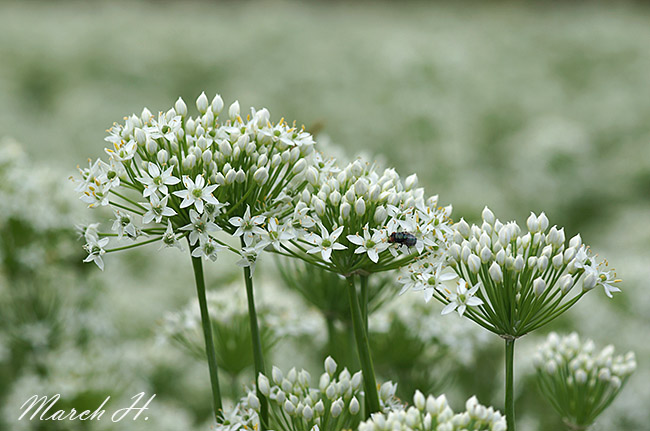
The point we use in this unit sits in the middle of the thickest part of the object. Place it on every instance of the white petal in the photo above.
(449, 308)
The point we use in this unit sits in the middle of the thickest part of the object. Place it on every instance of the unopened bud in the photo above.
(202, 103)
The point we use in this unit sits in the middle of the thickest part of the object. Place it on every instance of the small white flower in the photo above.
(276, 235)
(124, 225)
(200, 227)
(170, 239)
(122, 151)
(162, 128)
(325, 243)
(248, 226)
(95, 249)
(249, 257)
(156, 181)
(462, 298)
(208, 248)
(373, 245)
(605, 279)
(435, 279)
(157, 209)
(197, 193)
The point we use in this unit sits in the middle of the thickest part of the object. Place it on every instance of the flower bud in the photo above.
(140, 137)
(495, 273)
(539, 286)
(576, 242)
(410, 182)
(486, 255)
(276, 373)
(361, 187)
(233, 111)
(590, 280)
(463, 228)
(543, 222)
(289, 408)
(565, 283)
(261, 176)
(330, 365)
(360, 207)
(319, 408)
(163, 157)
(253, 401)
(225, 148)
(374, 192)
(217, 104)
(207, 156)
(312, 175)
(189, 162)
(474, 263)
(202, 103)
(581, 376)
(241, 176)
(419, 401)
(354, 406)
(307, 413)
(542, 263)
(336, 409)
(319, 206)
(263, 385)
(557, 261)
(345, 209)
(299, 166)
(519, 263)
(380, 215)
(532, 223)
(180, 107)
(488, 216)
(551, 367)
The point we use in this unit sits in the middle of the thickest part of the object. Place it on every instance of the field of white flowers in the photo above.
(519, 107)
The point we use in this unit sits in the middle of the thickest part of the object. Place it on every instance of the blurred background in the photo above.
(516, 105)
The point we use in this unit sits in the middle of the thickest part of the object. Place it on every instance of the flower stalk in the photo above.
(258, 355)
(510, 384)
(207, 333)
(363, 349)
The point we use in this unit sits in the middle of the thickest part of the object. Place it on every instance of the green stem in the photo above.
(510, 387)
(258, 355)
(207, 334)
(364, 300)
(363, 349)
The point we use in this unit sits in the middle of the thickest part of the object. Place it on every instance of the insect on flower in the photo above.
(403, 238)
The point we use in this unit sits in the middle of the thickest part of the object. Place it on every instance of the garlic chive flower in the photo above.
(462, 297)
(434, 414)
(162, 167)
(95, 248)
(522, 280)
(335, 404)
(578, 381)
(324, 243)
(197, 193)
(363, 207)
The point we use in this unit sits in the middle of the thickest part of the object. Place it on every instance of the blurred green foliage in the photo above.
(519, 106)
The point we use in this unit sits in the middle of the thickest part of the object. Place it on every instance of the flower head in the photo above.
(522, 280)
(571, 369)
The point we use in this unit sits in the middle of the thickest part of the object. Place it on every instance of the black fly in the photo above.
(403, 238)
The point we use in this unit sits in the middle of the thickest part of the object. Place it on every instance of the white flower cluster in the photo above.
(360, 220)
(458, 338)
(229, 316)
(336, 405)
(509, 282)
(431, 413)
(170, 176)
(578, 381)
